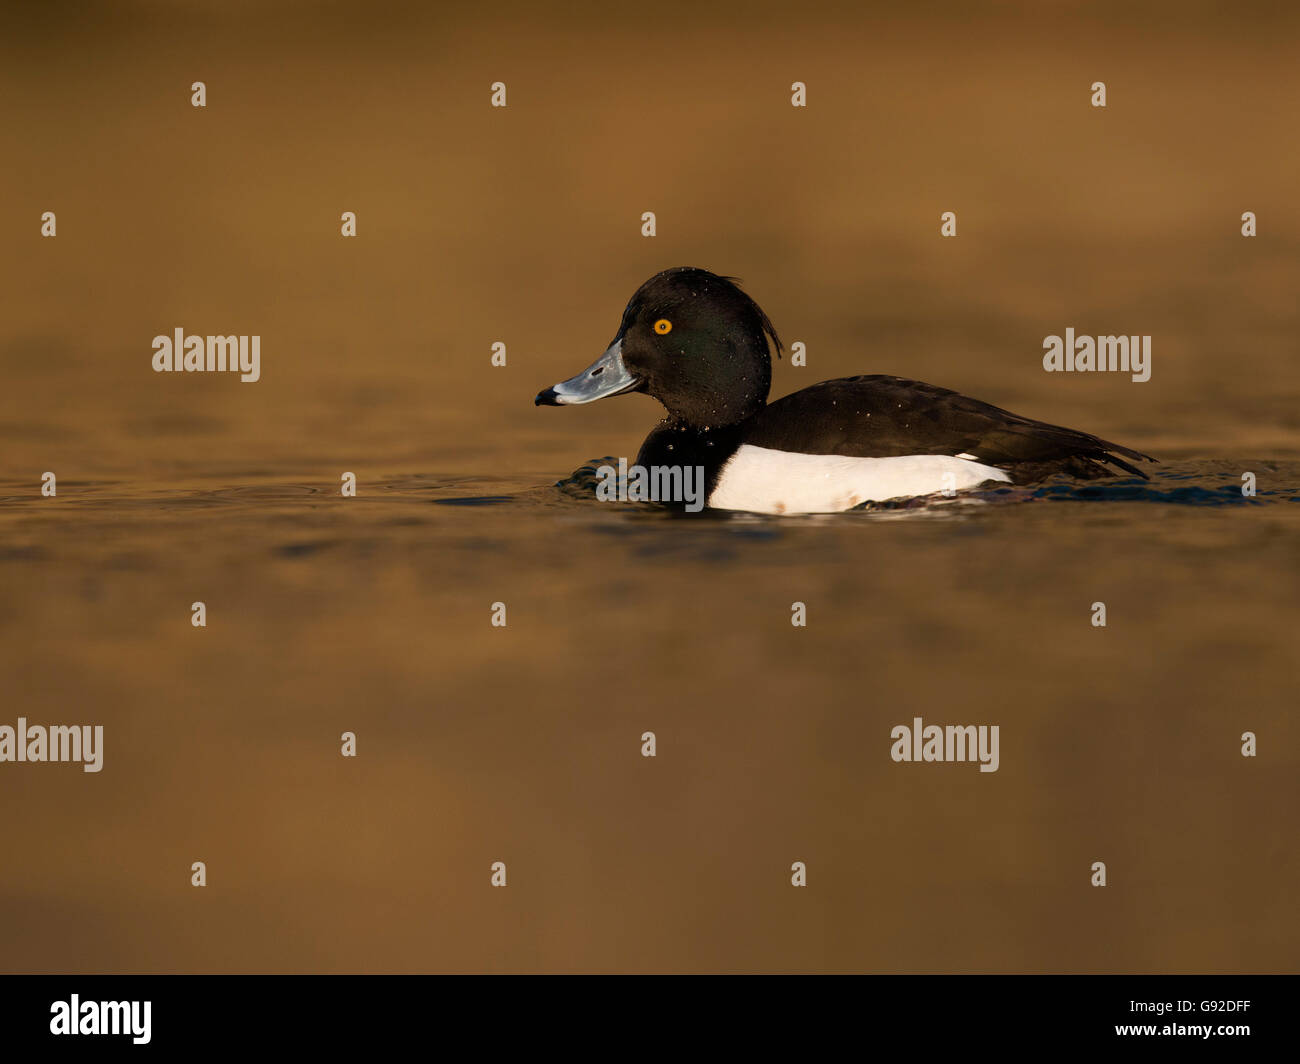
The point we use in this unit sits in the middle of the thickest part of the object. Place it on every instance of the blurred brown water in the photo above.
(522, 744)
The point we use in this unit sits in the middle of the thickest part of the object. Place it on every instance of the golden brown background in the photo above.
(522, 225)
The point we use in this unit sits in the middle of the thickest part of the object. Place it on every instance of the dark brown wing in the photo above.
(878, 417)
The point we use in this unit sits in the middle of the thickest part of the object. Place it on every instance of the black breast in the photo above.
(675, 444)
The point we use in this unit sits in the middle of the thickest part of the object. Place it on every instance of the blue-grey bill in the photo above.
(604, 377)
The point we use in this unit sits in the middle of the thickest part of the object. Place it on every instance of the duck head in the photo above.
(691, 339)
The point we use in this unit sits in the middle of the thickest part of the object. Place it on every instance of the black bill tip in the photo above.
(547, 398)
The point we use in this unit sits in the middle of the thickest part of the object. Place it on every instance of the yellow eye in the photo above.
(663, 325)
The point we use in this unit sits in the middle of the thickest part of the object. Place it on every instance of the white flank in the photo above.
(779, 482)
